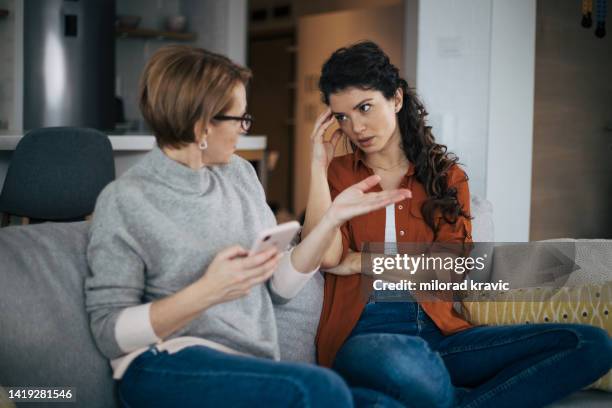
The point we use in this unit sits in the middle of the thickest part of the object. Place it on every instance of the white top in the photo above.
(390, 237)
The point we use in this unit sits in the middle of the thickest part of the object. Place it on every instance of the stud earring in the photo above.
(203, 145)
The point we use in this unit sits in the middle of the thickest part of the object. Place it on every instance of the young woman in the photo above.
(422, 354)
(175, 300)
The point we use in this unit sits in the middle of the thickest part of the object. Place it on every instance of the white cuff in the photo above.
(287, 281)
(133, 329)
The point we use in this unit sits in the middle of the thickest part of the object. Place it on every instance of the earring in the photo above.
(203, 145)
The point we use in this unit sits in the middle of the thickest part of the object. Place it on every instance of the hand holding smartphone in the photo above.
(279, 237)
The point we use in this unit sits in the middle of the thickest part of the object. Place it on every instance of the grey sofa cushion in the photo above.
(298, 320)
(593, 257)
(45, 338)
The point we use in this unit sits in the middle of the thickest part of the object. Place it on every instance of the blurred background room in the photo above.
(520, 90)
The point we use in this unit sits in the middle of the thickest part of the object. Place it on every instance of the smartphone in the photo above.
(279, 237)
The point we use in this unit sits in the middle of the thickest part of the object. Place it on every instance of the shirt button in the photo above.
(402, 233)
(401, 207)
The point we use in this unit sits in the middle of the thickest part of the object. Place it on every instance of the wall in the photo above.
(132, 53)
(509, 149)
(271, 102)
(475, 67)
(302, 8)
(454, 44)
(572, 150)
(221, 25)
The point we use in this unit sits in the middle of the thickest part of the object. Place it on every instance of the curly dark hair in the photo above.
(366, 66)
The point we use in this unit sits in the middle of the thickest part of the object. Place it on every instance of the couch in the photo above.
(44, 333)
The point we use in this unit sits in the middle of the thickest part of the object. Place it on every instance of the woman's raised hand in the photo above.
(233, 273)
(355, 201)
(323, 150)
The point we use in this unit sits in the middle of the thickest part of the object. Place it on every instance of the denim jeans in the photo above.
(198, 376)
(397, 349)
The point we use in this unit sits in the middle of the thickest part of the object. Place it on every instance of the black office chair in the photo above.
(56, 174)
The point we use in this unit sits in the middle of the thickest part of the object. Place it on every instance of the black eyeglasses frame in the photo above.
(246, 120)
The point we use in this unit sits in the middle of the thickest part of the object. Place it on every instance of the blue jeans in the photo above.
(397, 349)
(198, 376)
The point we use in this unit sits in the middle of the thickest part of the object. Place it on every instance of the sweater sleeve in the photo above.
(287, 281)
(115, 285)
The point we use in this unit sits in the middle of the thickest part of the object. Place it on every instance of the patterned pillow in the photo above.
(587, 304)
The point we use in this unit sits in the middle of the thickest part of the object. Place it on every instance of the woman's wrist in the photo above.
(318, 169)
(329, 221)
(171, 313)
(355, 262)
(200, 295)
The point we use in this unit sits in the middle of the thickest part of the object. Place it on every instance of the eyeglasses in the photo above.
(246, 120)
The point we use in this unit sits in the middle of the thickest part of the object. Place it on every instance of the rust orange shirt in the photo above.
(344, 296)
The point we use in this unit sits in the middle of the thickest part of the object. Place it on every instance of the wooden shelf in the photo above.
(4, 13)
(155, 34)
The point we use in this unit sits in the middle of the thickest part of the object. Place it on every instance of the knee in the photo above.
(323, 387)
(428, 381)
(420, 376)
(403, 366)
(596, 344)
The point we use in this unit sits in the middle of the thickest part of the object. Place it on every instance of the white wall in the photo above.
(453, 78)
(475, 70)
(509, 152)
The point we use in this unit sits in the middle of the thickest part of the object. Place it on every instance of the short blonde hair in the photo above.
(181, 85)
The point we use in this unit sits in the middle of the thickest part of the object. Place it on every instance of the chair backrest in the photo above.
(57, 173)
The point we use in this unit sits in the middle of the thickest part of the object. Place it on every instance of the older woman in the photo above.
(175, 301)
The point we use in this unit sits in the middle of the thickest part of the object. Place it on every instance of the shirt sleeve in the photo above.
(287, 281)
(115, 285)
(335, 188)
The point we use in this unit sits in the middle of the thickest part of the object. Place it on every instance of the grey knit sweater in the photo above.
(156, 229)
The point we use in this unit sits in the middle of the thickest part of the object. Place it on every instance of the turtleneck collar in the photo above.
(179, 176)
